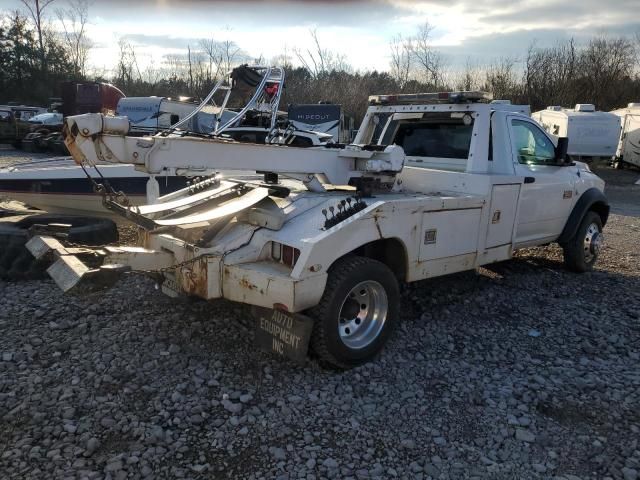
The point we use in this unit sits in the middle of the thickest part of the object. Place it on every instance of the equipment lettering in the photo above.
(279, 331)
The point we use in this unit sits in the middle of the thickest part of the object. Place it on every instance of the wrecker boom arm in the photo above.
(94, 139)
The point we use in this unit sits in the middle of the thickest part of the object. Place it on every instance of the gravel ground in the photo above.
(519, 371)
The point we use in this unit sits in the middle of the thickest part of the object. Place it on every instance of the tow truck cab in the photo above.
(486, 145)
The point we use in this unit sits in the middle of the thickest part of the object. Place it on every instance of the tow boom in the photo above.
(96, 139)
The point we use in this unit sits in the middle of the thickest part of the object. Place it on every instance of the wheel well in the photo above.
(602, 210)
(389, 251)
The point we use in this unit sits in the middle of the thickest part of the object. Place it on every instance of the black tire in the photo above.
(84, 230)
(17, 263)
(344, 275)
(579, 255)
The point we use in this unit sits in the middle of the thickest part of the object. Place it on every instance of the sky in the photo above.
(475, 31)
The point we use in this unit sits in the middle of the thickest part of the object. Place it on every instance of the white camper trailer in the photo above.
(591, 133)
(629, 145)
(150, 114)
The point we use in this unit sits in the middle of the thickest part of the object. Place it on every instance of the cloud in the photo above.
(561, 15)
(221, 14)
(163, 41)
(359, 29)
(514, 45)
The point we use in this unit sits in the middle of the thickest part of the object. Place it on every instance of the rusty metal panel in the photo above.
(201, 277)
(266, 283)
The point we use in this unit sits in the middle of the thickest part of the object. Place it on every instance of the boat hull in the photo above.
(64, 188)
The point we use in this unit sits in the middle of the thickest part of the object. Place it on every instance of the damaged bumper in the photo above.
(264, 284)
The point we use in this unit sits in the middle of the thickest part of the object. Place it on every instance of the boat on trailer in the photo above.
(59, 185)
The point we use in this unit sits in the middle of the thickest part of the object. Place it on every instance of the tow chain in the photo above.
(105, 189)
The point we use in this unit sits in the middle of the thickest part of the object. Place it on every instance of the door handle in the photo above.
(529, 179)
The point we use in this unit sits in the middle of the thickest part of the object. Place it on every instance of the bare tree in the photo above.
(428, 59)
(36, 9)
(606, 64)
(401, 56)
(320, 60)
(500, 79)
(284, 59)
(128, 70)
(74, 23)
(213, 51)
(467, 79)
(230, 52)
(190, 70)
(550, 74)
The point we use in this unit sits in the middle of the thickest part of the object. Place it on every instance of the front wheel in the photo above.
(357, 312)
(582, 251)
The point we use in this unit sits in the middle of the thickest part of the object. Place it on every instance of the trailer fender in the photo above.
(592, 199)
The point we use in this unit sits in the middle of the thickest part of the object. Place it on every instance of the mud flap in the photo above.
(282, 333)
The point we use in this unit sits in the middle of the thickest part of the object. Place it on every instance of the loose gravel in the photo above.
(521, 370)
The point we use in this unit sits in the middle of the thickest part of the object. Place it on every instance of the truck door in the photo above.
(547, 194)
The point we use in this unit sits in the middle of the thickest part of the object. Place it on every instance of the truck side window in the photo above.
(532, 145)
(436, 139)
(5, 116)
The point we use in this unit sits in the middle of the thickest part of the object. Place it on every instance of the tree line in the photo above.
(45, 44)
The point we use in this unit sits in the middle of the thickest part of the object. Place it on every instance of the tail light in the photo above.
(284, 254)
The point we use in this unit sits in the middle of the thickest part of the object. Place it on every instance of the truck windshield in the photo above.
(435, 135)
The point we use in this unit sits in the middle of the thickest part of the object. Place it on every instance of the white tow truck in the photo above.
(320, 245)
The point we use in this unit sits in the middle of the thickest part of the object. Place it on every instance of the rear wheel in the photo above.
(357, 312)
(582, 251)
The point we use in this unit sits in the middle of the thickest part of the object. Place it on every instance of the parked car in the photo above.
(49, 119)
(12, 127)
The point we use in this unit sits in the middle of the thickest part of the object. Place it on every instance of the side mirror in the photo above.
(561, 151)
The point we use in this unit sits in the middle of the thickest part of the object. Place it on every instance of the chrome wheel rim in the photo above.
(592, 242)
(363, 314)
